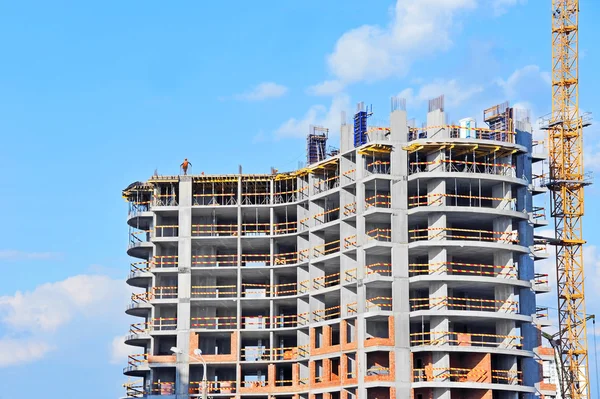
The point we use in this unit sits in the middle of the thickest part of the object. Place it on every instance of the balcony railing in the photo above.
(453, 233)
(165, 261)
(465, 339)
(380, 234)
(166, 231)
(461, 268)
(164, 323)
(328, 280)
(379, 303)
(214, 291)
(454, 165)
(326, 249)
(456, 303)
(378, 201)
(214, 322)
(438, 199)
(327, 216)
(463, 132)
(327, 313)
(213, 230)
(379, 167)
(217, 260)
(380, 268)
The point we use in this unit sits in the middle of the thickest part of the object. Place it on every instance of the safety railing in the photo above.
(465, 339)
(509, 377)
(250, 260)
(326, 314)
(461, 268)
(540, 249)
(462, 200)
(213, 291)
(164, 323)
(349, 175)
(539, 180)
(136, 237)
(452, 233)
(326, 249)
(327, 216)
(254, 384)
(454, 165)
(379, 268)
(214, 199)
(135, 389)
(217, 260)
(164, 200)
(139, 328)
(456, 303)
(256, 229)
(350, 241)
(452, 374)
(290, 353)
(352, 308)
(351, 275)
(259, 322)
(164, 292)
(137, 359)
(163, 388)
(328, 280)
(285, 227)
(165, 261)
(379, 167)
(166, 231)
(538, 214)
(286, 258)
(139, 267)
(377, 370)
(350, 209)
(137, 207)
(541, 313)
(141, 297)
(380, 234)
(379, 303)
(199, 230)
(378, 201)
(214, 322)
(463, 132)
(285, 289)
(224, 387)
(255, 353)
(326, 184)
(541, 280)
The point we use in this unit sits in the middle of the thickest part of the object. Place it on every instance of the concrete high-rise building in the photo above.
(401, 266)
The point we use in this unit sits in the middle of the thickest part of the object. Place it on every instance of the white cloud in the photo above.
(21, 351)
(13, 255)
(51, 305)
(501, 6)
(526, 84)
(263, 91)
(454, 93)
(326, 88)
(316, 115)
(119, 350)
(418, 28)
(32, 317)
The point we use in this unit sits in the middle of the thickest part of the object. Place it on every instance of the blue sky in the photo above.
(89, 92)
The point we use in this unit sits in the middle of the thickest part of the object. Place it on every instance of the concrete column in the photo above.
(184, 286)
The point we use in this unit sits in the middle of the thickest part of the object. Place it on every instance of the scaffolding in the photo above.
(499, 117)
(316, 144)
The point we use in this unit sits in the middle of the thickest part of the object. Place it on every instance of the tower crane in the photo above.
(566, 182)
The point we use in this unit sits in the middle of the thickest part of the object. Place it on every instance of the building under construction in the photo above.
(401, 266)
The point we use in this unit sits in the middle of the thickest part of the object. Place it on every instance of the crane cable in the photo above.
(596, 360)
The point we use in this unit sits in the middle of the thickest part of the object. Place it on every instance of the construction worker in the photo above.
(185, 165)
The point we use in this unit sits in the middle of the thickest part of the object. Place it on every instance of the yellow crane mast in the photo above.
(566, 183)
